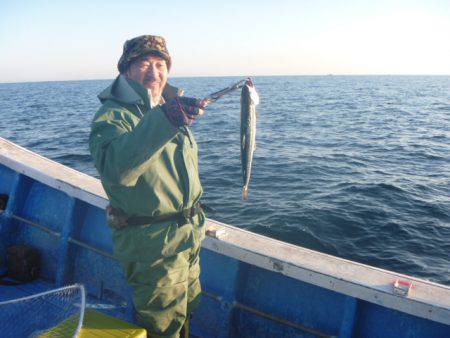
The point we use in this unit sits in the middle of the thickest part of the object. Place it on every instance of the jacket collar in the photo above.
(128, 91)
(125, 91)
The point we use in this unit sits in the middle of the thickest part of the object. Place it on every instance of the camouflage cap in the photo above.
(140, 46)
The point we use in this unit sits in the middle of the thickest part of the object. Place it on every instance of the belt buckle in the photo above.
(188, 215)
(192, 212)
(115, 219)
(183, 220)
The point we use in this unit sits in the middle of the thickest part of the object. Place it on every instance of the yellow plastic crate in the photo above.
(96, 324)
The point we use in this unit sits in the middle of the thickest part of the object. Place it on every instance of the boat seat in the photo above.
(96, 324)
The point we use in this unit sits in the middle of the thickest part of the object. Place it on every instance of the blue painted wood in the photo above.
(349, 317)
(378, 322)
(7, 180)
(220, 279)
(63, 250)
(16, 186)
(47, 207)
(94, 230)
(74, 218)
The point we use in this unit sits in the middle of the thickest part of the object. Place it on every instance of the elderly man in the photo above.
(147, 159)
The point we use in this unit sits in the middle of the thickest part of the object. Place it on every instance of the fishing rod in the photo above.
(217, 95)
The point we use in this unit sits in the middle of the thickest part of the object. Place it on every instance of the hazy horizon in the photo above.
(243, 76)
(60, 41)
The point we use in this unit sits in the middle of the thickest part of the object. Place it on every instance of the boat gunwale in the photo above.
(426, 299)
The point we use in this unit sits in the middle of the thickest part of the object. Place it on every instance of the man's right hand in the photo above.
(183, 111)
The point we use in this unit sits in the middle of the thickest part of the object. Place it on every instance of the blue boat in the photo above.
(254, 286)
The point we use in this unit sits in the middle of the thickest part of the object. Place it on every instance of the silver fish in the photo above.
(249, 101)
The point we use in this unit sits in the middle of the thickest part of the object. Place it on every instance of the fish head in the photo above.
(254, 97)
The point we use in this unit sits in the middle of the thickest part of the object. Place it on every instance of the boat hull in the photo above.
(253, 286)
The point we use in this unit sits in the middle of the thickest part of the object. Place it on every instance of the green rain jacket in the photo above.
(147, 166)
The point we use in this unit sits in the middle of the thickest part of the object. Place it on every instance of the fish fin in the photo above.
(243, 142)
(245, 193)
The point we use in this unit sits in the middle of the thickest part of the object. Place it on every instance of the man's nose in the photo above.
(152, 71)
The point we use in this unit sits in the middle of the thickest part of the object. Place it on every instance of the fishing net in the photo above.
(54, 313)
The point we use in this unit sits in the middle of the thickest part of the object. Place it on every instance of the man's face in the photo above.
(150, 71)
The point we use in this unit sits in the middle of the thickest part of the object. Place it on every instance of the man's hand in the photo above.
(183, 111)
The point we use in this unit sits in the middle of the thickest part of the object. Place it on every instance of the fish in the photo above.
(249, 101)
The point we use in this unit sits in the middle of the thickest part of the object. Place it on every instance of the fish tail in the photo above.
(245, 193)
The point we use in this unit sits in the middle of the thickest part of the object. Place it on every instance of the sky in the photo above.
(78, 40)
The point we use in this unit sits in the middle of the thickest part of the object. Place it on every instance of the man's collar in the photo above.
(131, 92)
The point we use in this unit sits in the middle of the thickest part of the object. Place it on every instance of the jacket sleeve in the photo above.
(122, 153)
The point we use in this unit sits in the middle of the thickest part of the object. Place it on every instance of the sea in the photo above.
(352, 166)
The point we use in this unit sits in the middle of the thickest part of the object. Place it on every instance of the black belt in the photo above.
(181, 218)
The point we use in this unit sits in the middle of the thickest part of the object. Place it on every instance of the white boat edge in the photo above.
(426, 299)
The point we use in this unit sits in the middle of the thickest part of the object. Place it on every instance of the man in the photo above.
(147, 159)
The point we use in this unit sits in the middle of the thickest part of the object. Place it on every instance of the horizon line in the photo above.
(216, 76)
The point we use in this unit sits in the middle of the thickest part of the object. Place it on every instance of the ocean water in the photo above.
(353, 166)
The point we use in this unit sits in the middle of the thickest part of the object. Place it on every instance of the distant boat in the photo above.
(254, 286)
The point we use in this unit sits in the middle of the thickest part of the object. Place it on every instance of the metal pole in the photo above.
(217, 95)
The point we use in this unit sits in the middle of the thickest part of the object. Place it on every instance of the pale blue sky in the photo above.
(69, 40)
